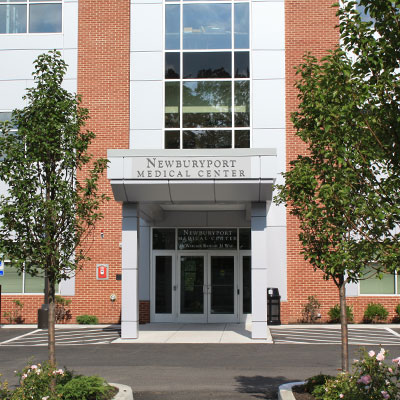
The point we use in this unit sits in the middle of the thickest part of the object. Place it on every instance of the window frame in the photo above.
(232, 80)
(396, 289)
(28, 3)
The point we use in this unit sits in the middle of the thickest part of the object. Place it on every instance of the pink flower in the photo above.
(341, 395)
(385, 394)
(365, 379)
(390, 370)
(396, 360)
(380, 356)
(371, 353)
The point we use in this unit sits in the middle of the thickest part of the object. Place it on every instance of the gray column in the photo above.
(259, 271)
(130, 244)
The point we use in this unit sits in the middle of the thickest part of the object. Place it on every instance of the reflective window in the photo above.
(242, 26)
(45, 16)
(371, 284)
(207, 73)
(172, 23)
(207, 65)
(242, 64)
(172, 65)
(172, 139)
(163, 239)
(207, 139)
(172, 105)
(207, 26)
(207, 104)
(242, 103)
(163, 285)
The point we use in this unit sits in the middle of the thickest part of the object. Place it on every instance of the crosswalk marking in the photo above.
(65, 337)
(357, 336)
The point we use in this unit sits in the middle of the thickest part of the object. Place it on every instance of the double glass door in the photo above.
(196, 287)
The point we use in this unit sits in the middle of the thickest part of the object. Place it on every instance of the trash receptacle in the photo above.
(273, 306)
(43, 317)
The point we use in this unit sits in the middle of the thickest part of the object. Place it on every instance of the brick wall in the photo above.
(309, 27)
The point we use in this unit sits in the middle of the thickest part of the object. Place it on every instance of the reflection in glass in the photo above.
(34, 284)
(172, 65)
(163, 239)
(207, 26)
(172, 23)
(172, 140)
(374, 285)
(245, 239)
(246, 285)
(207, 104)
(45, 18)
(172, 104)
(207, 65)
(192, 281)
(242, 139)
(207, 139)
(12, 18)
(163, 285)
(11, 282)
(242, 26)
(242, 103)
(222, 285)
(242, 67)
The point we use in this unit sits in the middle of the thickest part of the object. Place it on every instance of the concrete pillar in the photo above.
(130, 244)
(259, 271)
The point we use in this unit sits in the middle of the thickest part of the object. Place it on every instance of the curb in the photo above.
(124, 392)
(285, 391)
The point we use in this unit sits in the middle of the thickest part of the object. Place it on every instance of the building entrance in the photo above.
(200, 287)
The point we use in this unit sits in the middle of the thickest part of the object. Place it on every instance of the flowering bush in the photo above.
(372, 379)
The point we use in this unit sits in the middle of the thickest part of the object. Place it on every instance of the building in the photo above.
(191, 101)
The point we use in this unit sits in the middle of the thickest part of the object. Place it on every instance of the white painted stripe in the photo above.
(18, 337)
(393, 332)
(66, 341)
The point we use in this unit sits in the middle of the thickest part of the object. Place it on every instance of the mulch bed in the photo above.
(300, 394)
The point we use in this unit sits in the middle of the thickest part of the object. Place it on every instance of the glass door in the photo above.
(192, 288)
(222, 289)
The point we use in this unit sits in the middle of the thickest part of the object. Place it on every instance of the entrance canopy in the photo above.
(200, 176)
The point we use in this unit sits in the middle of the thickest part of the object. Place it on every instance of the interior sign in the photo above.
(207, 239)
(191, 167)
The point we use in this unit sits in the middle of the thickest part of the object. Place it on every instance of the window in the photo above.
(207, 75)
(12, 282)
(30, 16)
(389, 284)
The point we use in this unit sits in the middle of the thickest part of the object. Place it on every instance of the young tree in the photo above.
(345, 190)
(48, 212)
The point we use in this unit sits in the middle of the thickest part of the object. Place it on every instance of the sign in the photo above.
(102, 271)
(207, 239)
(191, 168)
(1, 268)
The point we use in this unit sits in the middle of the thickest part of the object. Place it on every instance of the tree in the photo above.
(48, 212)
(345, 190)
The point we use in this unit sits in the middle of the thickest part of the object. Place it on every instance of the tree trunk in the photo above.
(51, 332)
(343, 323)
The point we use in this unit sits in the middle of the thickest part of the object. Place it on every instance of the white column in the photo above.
(259, 271)
(130, 244)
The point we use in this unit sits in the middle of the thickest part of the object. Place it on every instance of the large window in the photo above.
(12, 282)
(207, 75)
(30, 16)
(371, 284)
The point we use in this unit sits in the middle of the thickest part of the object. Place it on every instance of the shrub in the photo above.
(313, 384)
(311, 310)
(398, 311)
(63, 313)
(87, 319)
(334, 314)
(15, 316)
(86, 387)
(372, 379)
(375, 312)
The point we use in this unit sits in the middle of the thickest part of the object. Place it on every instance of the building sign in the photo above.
(207, 239)
(102, 271)
(1, 268)
(191, 168)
